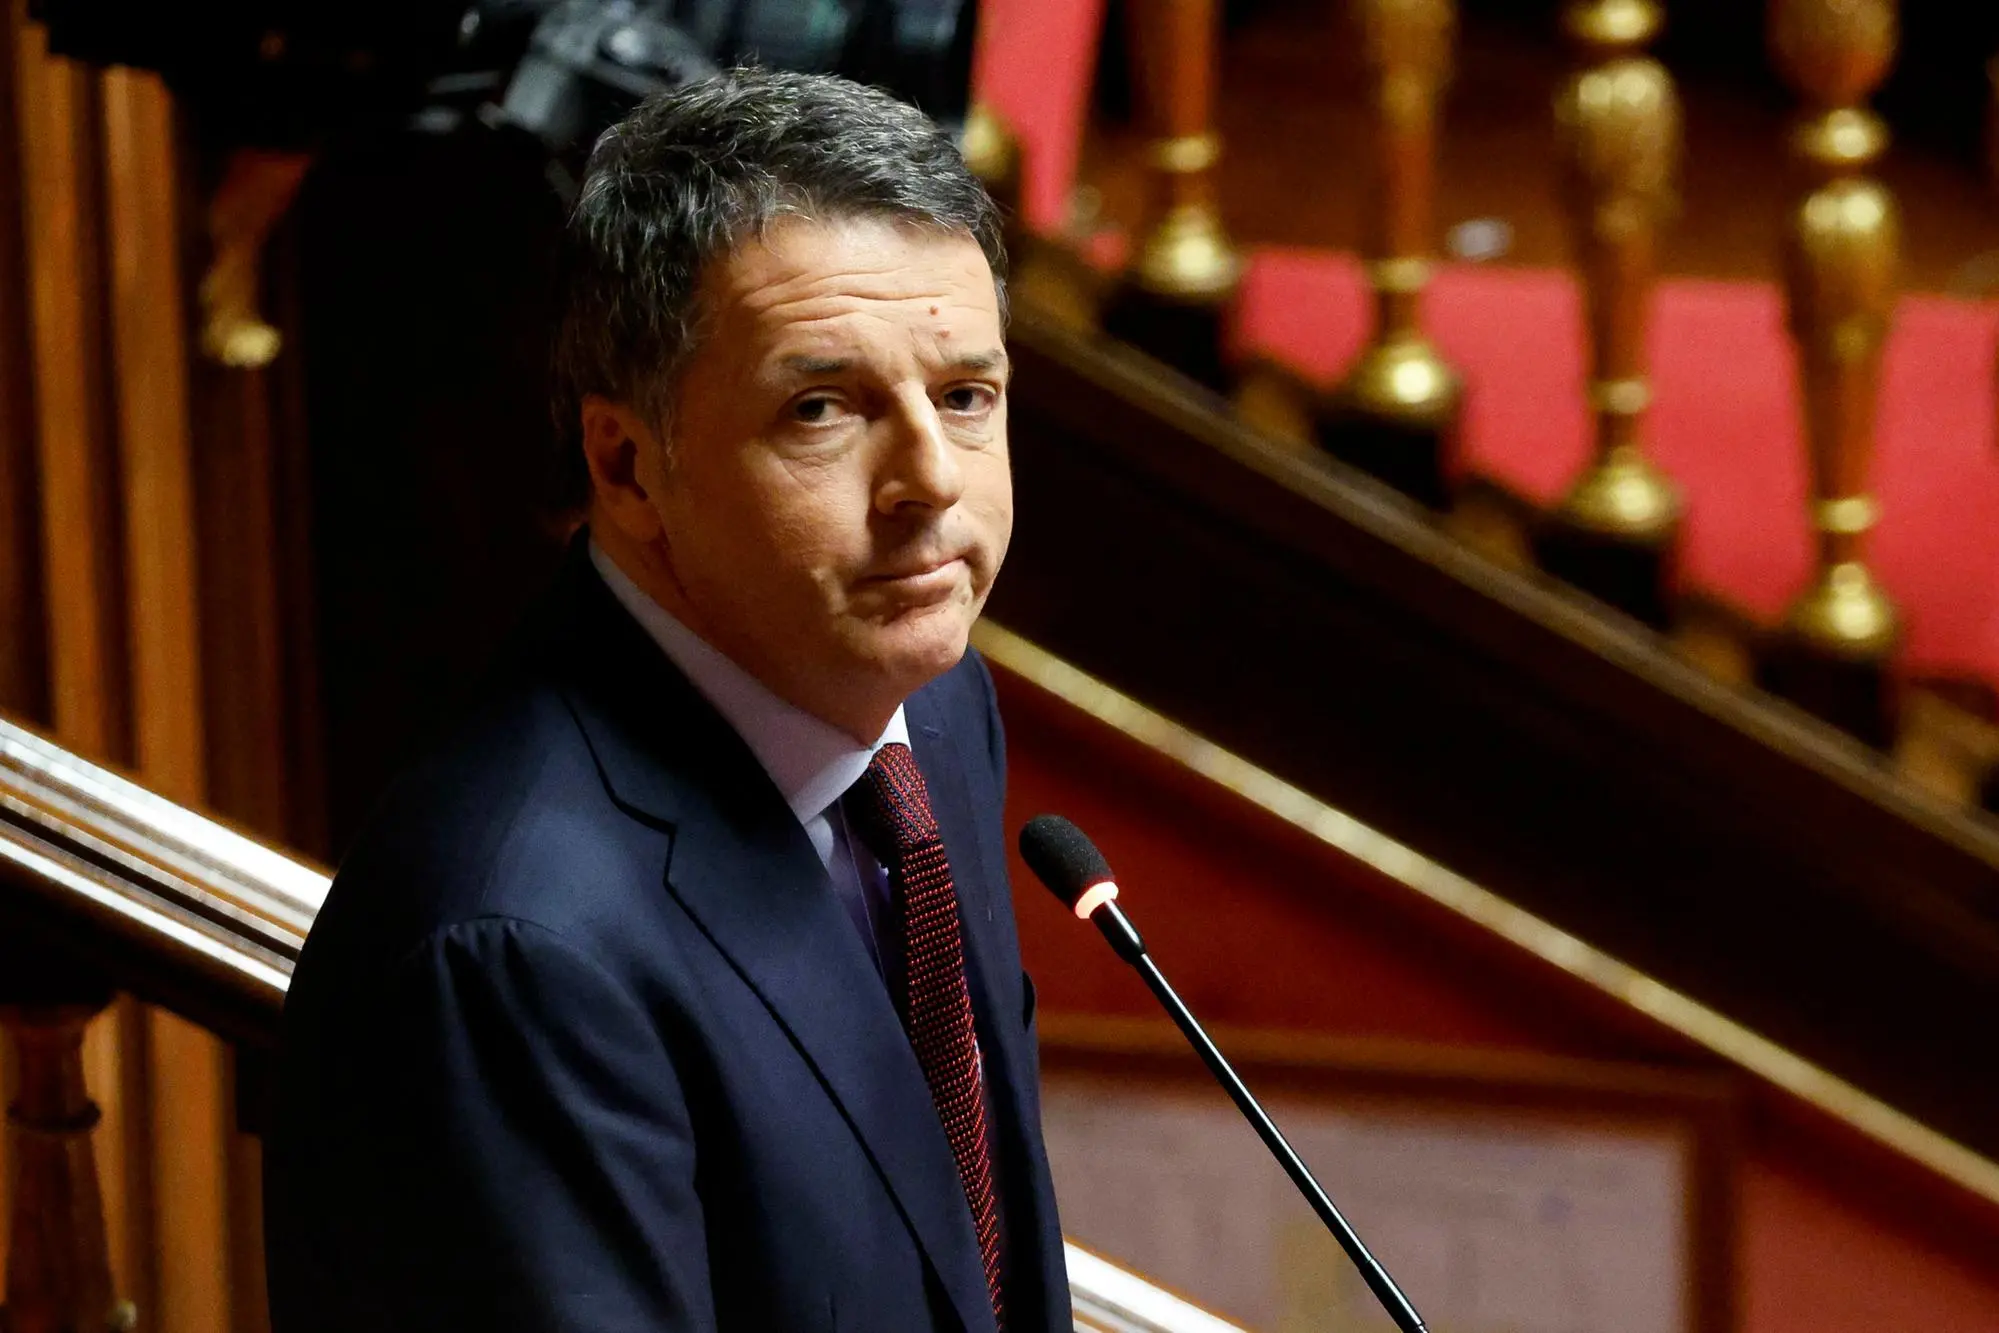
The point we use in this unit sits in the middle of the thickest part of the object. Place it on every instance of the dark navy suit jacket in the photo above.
(584, 1040)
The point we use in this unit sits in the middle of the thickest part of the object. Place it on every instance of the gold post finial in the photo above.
(1184, 269)
(1618, 128)
(993, 155)
(1839, 262)
(1400, 384)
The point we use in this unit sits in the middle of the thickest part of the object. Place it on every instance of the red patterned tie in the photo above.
(891, 811)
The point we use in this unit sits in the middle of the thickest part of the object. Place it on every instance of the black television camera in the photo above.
(293, 73)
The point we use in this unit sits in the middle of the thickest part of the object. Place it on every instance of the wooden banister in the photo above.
(111, 880)
(177, 907)
(1506, 729)
(59, 1264)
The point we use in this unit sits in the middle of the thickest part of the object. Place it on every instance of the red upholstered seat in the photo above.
(1725, 424)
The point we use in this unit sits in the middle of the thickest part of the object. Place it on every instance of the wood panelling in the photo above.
(60, 116)
(154, 445)
(114, 1062)
(102, 574)
(82, 592)
(246, 565)
(1754, 861)
(186, 1066)
(191, 1128)
(23, 662)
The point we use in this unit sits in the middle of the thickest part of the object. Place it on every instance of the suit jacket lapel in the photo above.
(745, 871)
(775, 917)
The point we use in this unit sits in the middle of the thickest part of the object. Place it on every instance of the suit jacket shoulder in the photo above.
(582, 1006)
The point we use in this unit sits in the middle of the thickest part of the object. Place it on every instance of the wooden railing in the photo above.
(106, 886)
(1620, 527)
(1567, 761)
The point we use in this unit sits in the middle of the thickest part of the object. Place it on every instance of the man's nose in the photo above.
(923, 465)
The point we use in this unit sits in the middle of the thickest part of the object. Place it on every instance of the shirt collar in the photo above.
(811, 761)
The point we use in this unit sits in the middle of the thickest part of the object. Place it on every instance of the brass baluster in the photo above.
(1396, 413)
(59, 1265)
(1840, 257)
(1619, 129)
(1173, 297)
(993, 155)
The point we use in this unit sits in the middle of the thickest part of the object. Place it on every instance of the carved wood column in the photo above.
(76, 461)
(107, 320)
(23, 648)
(59, 1261)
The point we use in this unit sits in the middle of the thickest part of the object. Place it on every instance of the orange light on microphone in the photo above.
(1094, 897)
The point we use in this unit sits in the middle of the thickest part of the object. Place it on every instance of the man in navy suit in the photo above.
(680, 990)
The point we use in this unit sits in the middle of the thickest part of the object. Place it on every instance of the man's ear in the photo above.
(621, 450)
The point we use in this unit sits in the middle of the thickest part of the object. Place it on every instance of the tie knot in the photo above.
(890, 806)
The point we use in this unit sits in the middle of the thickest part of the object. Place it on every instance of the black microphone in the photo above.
(1063, 857)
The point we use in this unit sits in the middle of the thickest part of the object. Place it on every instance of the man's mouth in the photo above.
(915, 569)
(920, 580)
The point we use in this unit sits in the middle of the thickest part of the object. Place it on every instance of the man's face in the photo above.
(836, 497)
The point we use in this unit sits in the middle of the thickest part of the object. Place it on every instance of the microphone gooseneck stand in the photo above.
(1063, 858)
(1124, 939)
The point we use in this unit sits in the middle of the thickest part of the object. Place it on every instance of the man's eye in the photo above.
(968, 398)
(813, 411)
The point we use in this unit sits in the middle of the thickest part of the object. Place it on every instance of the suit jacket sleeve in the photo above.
(536, 1158)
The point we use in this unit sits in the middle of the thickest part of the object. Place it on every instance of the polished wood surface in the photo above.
(258, 599)
(61, 114)
(179, 646)
(111, 606)
(1173, 45)
(106, 814)
(115, 881)
(155, 444)
(180, 908)
(1498, 724)
(59, 1262)
(109, 880)
(1336, 933)
(23, 652)
(81, 599)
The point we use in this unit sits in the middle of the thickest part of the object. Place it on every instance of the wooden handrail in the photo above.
(1564, 758)
(170, 904)
(133, 890)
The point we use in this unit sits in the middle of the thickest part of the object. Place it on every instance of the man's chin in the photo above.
(920, 646)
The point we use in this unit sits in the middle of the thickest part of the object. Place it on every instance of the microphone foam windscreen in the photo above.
(1062, 857)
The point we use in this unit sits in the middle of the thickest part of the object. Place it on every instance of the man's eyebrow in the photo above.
(806, 364)
(977, 363)
(983, 363)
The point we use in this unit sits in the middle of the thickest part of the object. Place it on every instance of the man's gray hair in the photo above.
(692, 173)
